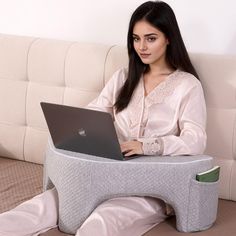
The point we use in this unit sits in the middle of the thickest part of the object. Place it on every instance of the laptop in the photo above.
(82, 130)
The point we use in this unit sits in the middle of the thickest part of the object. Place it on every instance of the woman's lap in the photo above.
(117, 217)
(124, 217)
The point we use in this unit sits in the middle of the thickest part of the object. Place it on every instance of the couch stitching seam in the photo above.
(26, 94)
(64, 70)
(105, 62)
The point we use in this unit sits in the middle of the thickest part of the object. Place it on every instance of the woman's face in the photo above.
(149, 43)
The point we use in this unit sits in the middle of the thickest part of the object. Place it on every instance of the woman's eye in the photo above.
(135, 39)
(151, 39)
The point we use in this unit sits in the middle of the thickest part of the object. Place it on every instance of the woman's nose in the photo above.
(142, 45)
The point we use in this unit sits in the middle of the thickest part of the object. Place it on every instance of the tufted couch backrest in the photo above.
(34, 70)
(218, 77)
(72, 73)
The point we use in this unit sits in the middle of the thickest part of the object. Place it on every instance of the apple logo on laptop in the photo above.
(82, 132)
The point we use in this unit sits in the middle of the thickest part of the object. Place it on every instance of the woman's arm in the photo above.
(106, 100)
(192, 137)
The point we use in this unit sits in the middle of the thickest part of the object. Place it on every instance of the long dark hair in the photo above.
(160, 15)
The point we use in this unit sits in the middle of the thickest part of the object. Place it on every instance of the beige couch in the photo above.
(72, 73)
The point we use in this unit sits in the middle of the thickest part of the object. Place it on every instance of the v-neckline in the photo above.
(161, 84)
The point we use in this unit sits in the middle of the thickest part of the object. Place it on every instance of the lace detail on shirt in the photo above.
(164, 89)
(154, 147)
(157, 95)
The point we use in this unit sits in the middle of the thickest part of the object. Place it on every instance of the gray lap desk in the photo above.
(84, 181)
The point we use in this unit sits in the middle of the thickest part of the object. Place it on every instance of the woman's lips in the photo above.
(144, 55)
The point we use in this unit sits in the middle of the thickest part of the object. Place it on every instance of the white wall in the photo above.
(207, 26)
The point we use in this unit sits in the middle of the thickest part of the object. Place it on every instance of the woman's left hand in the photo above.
(131, 148)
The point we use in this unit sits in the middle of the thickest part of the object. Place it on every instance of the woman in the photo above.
(158, 108)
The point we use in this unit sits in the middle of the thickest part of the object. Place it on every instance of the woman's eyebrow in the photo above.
(146, 35)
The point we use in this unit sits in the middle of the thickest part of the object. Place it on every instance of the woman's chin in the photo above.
(146, 61)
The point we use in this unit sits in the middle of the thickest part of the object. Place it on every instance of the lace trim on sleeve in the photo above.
(153, 147)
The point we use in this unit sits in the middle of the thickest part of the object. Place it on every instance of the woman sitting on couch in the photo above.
(158, 108)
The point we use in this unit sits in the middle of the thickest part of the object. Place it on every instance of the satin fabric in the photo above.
(172, 115)
(116, 217)
(32, 217)
(124, 217)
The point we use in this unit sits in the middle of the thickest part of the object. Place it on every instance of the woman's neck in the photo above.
(155, 75)
(161, 68)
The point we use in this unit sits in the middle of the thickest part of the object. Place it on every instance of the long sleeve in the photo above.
(106, 100)
(191, 123)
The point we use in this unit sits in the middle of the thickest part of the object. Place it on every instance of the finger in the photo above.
(125, 148)
(130, 153)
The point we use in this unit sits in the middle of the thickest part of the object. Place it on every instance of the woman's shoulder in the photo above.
(121, 73)
(187, 80)
(116, 81)
(119, 76)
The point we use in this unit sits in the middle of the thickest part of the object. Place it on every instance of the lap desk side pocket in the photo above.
(84, 181)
